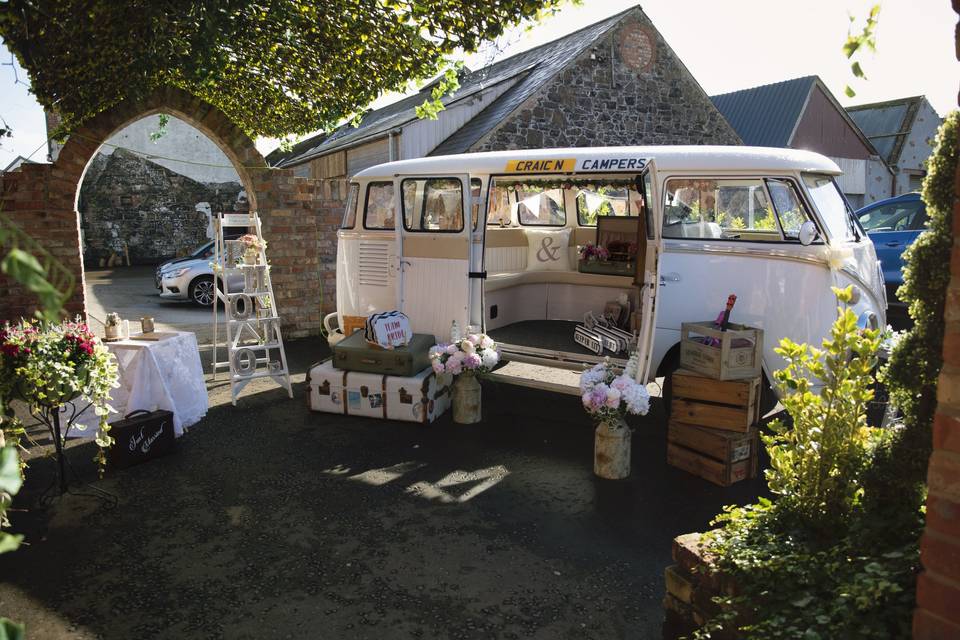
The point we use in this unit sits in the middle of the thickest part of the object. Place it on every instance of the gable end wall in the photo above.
(643, 96)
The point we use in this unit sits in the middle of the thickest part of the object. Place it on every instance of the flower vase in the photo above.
(250, 256)
(466, 399)
(611, 450)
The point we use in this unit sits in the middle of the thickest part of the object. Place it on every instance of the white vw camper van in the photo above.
(491, 239)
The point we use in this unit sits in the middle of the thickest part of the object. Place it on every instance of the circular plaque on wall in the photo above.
(638, 48)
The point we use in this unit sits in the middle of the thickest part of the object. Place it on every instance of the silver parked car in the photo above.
(191, 277)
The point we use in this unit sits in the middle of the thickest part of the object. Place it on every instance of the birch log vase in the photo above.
(611, 450)
(466, 399)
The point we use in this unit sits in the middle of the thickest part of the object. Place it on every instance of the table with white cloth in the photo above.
(154, 375)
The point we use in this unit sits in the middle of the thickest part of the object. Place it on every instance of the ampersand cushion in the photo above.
(548, 250)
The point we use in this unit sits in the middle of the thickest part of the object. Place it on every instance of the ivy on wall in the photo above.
(275, 67)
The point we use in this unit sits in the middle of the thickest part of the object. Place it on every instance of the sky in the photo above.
(727, 46)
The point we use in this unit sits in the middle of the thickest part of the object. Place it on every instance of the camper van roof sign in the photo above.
(568, 165)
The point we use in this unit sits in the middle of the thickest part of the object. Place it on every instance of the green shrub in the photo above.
(805, 565)
(895, 486)
(817, 461)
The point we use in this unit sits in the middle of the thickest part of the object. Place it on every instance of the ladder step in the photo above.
(259, 374)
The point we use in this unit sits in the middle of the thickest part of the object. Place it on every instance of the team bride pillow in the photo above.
(548, 250)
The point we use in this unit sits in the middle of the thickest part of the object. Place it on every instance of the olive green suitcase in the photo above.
(354, 353)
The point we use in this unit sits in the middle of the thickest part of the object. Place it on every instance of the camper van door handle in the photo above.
(403, 262)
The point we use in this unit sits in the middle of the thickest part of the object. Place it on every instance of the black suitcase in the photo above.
(141, 436)
(354, 353)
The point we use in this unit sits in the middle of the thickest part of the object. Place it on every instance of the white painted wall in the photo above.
(182, 148)
(420, 137)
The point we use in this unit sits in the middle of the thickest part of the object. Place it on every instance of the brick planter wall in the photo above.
(692, 583)
(299, 215)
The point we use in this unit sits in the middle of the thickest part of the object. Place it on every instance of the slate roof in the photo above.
(766, 116)
(887, 124)
(528, 71)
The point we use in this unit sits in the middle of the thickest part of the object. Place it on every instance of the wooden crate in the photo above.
(724, 446)
(717, 472)
(733, 405)
(738, 354)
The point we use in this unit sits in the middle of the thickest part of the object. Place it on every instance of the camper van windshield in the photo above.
(833, 207)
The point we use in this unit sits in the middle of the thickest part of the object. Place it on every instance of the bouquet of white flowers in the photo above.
(608, 394)
(476, 353)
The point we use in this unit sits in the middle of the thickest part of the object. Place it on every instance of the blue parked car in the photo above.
(893, 224)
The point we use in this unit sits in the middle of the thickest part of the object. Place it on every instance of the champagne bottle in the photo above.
(731, 300)
(455, 332)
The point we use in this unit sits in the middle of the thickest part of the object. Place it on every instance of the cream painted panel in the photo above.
(524, 302)
(432, 299)
(506, 259)
(348, 277)
(571, 302)
(367, 268)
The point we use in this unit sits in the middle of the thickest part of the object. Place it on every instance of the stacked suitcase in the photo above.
(364, 380)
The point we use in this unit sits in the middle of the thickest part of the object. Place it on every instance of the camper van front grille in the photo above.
(374, 263)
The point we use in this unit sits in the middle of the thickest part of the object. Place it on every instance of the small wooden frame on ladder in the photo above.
(252, 323)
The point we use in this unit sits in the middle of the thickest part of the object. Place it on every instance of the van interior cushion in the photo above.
(547, 249)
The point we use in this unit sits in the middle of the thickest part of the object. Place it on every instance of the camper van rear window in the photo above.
(379, 212)
(432, 204)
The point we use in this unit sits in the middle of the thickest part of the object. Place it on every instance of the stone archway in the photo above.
(299, 215)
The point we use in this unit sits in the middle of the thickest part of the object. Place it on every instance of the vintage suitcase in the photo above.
(420, 398)
(140, 436)
(354, 353)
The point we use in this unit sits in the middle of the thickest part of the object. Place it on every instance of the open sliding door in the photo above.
(434, 248)
(647, 277)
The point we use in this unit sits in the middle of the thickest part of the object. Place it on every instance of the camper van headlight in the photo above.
(868, 320)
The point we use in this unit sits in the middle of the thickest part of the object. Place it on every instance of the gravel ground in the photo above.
(274, 522)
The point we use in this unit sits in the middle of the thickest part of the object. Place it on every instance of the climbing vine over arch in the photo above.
(274, 67)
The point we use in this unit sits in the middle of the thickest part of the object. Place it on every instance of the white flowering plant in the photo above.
(610, 394)
(477, 353)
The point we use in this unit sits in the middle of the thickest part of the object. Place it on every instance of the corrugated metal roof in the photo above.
(887, 124)
(766, 116)
(528, 70)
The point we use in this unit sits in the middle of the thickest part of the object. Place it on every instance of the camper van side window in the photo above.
(379, 213)
(787, 203)
(350, 213)
(432, 204)
(726, 209)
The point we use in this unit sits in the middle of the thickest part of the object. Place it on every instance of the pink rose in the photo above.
(437, 367)
(472, 361)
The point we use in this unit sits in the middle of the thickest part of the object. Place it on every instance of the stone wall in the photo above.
(129, 204)
(628, 89)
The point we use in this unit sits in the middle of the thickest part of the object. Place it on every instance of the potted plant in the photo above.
(609, 395)
(465, 359)
(49, 365)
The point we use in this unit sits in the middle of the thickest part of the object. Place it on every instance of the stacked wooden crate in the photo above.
(712, 431)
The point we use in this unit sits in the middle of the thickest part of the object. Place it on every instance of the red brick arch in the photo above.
(299, 215)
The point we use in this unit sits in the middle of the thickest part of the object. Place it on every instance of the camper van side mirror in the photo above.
(808, 233)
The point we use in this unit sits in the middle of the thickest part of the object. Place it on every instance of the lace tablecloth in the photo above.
(163, 374)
